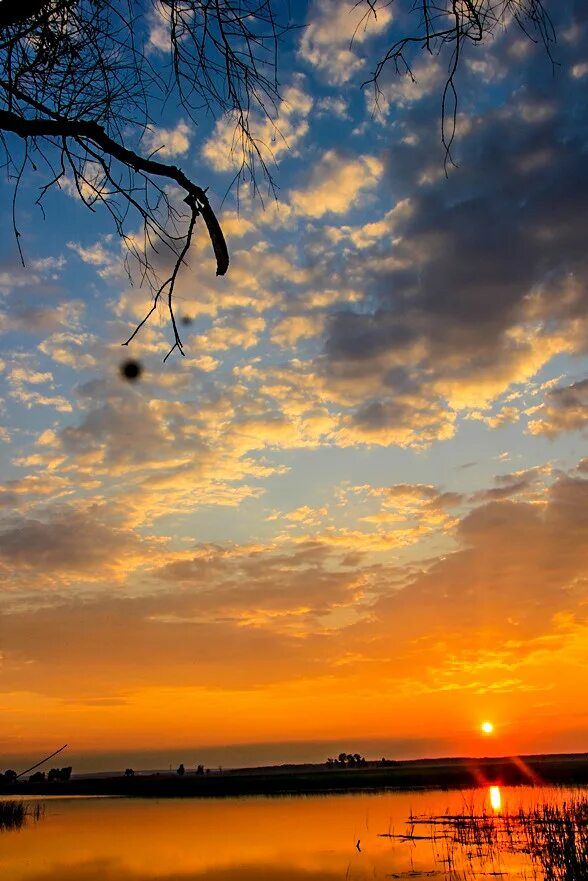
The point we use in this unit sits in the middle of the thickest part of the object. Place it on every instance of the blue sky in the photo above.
(367, 477)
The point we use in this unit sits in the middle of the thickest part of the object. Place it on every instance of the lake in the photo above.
(290, 838)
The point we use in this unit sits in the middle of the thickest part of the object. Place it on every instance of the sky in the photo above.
(355, 515)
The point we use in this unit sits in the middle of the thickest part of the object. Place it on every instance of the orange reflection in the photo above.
(312, 838)
(495, 798)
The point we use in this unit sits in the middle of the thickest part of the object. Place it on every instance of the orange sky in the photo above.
(356, 512)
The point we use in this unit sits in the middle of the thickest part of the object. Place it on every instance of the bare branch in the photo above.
(76, 76)
(453, 24)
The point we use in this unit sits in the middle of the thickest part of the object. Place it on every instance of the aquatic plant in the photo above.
(551, 839)
(14, 814)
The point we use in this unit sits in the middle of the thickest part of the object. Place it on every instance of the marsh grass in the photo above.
(548, 842)
(14, 814)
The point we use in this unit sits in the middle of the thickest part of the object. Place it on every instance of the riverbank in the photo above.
(566, 769)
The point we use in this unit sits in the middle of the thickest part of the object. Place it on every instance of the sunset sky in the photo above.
(355, 515)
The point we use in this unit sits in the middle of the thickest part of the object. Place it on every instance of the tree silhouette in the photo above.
(77, 84)
(59, 774)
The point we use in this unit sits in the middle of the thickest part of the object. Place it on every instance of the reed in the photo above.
(550, 840)
(14, 814)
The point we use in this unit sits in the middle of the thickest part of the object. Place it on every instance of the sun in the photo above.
(487, 727)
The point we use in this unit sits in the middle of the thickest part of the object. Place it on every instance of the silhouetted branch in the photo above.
(76, 77)
(455, 23)
(93, 133)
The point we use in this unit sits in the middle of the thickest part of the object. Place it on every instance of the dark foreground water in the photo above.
(262, 839)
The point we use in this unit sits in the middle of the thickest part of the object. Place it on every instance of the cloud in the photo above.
(34, 300)
(525, 485)
(88, 541)
(71, 349)
(24, 492)
(272, 137)
(397, 90)
(168, 142)
(20, 378)
(487, 616)
(304, 516)
(579, 70)
(39, 274)
(336, 184)
(159, 29)
(242, 331)
(470, 291)
(424, 505)
(287, 331)
(334, 33)
(508, 599)
(20, 375)
(103, 255)
(564, 409)
(172, 520)
(332, 106)
(373, 232)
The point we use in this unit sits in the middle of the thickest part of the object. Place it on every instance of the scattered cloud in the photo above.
(564, 409)
(168, 142)
(334, 34)
(270, 137)
(336, 184)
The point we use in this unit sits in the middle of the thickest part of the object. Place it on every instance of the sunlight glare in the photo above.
(487, 727)
(495, 799)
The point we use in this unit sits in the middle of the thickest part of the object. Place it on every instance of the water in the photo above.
(254, 839)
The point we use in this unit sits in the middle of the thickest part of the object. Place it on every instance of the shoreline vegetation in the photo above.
(15, 814)
(310, 779)
(552, 837)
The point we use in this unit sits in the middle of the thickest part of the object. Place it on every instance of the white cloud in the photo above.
(287, 331)
(580, 70)
(400, 90)
(273, 135)
(167, 142)
(336, 184)
(334, 29)
(333, 106)
(101, 254)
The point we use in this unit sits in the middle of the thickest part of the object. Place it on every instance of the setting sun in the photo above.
(487, 727)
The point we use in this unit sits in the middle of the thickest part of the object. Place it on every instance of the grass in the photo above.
(14, 814)
(551, 840)
(557, 839)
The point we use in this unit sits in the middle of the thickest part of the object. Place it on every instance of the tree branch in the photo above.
(15, 12)
(96, 134)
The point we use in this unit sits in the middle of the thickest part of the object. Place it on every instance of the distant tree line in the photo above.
(355, 760)
(347, 760)
(54, 775)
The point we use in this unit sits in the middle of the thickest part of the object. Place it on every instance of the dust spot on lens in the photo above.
(131, 370)
(186, 320)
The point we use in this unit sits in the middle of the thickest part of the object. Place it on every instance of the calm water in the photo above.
(291, 839)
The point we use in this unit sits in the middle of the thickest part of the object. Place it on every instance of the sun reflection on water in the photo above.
(495, 798)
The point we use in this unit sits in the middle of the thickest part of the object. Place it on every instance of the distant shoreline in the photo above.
(275, 780)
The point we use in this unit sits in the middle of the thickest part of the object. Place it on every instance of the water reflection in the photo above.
(290, 839)
(495, 798)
